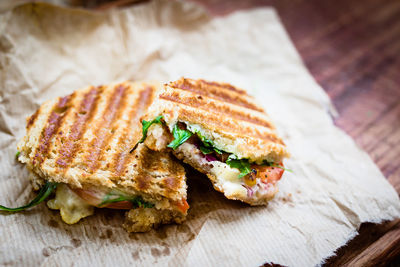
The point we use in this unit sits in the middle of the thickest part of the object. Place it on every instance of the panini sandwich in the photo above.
(79, 146)
(220, 131)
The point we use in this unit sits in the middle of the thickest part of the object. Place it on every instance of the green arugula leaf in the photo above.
(137, 201)
(242, 164)
(44, 193)
(17, 154)
(278, 166)
(217, 150)
(207, 144)
(112, 198)
(180, 137)
(206, 150)
(145, 127)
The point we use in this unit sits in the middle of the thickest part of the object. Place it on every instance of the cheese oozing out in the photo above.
(71, 206)
(227, 179)
(75, 204)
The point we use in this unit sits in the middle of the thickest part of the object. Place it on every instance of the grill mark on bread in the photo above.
(143, 181)
(214, 92)
(77, 172)
(126, 141)
(228, 126)
(213, 107)
(63, 102)
(86, 112)
(223, 85)
(32, 119)
(170, 183)
(53, 124)
(103, 127)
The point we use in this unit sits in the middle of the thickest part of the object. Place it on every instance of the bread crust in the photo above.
(231, 119)
(223, 113)
(84, 140)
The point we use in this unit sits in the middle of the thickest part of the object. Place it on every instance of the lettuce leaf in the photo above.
(208, 145)
(242, 164)
(145, 127)
(43, 194)
(276, 166)
(206, 150)
(137, 201)
(180, 137)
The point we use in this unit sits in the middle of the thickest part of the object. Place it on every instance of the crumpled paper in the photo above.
(48, 51)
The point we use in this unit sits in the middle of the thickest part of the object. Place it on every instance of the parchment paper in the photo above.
(48, 51)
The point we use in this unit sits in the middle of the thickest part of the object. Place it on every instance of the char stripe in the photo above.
(142, 103)
(53, 124)
(32, 119)
(103, 129)
(85, 114)
(215, 109)
(170, 183)
(222, 96)
(229, 126)
(223, 85)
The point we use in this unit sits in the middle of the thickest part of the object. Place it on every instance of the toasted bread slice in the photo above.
(83, 141)
(227, 129)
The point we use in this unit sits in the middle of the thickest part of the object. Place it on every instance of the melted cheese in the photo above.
(71, 206)
(228, 179)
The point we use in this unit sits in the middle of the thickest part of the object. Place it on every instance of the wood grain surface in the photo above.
(352, 48)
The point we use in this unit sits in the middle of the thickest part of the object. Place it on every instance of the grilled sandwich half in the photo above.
(220, 131)
(81, 145)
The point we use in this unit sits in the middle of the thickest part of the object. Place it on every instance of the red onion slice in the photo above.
(210, 157)
(250, 192)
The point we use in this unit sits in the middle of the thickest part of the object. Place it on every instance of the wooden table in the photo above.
(352, 49)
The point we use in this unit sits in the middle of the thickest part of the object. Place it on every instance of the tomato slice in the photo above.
(182, 205)
(269, 174)
(121, 205)
(92, 197)
(95, 198)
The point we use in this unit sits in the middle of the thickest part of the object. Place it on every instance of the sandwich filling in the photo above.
(238, 178)
(76, 203)
(76, 148)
